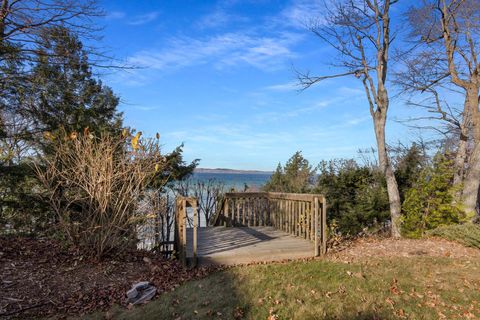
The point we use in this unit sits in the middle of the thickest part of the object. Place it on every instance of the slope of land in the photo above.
(372, 279)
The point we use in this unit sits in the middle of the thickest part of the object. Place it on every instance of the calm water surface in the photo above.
(254, 181)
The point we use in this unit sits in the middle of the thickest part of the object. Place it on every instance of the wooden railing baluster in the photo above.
(301, 215)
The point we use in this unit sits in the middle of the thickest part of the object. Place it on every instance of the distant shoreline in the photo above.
(230, 171)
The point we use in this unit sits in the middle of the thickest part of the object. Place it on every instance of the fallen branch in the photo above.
(11, 313)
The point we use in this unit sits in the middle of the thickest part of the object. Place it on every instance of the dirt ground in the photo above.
(365, 248)
(39, 278)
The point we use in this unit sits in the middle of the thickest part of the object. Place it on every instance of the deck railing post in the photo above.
(225, 212)
(195, 225)
(324, 226)
(237, 218)
(176, 239)
(245, 211)
(183, 223)
(315, 206)
(272, 219)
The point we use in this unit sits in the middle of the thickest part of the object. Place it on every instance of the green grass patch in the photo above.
(400, 288)
(467, 234)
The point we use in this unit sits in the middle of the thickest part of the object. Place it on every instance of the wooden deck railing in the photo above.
(301, 215)
(181, 222)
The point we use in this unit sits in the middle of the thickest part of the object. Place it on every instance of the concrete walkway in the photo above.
(228, 246)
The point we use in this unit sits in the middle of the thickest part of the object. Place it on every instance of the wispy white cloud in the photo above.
(301, 13)
(210, 117)
(115, 15)
(357, 120)
(236, 135)
(224, 50)
(214, 19)
(145, 108)
(289, 86)
(351, 91)
(219, 17)
(275, 116)
(245, 139)
(143, 18)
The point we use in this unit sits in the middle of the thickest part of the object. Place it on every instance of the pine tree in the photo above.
(295, 177)
(64, 92)
(408, 169)
(428, 204)
(276, 182)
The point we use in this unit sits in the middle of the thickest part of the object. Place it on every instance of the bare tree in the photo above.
(452, 27)
(157, 232)
(22, 22)
(425, 81)
(208, 194)
(359, 30)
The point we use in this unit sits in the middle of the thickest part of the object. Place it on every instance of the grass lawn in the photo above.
(382, 288)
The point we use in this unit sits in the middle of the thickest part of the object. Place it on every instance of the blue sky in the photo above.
(218, 76)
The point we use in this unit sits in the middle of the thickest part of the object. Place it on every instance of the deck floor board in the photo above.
(228, 246)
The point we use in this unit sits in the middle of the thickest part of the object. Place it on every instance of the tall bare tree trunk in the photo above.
(461, 156)
(471, 183)
(379, 121)
(363, 45)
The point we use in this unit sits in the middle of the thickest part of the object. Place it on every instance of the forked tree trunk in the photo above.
(379, 121)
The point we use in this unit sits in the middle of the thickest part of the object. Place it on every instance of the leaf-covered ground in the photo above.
(40, 279)
(426, 279)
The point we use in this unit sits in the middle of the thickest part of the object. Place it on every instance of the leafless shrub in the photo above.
(94, 185)
(157, 232)
(208, 193)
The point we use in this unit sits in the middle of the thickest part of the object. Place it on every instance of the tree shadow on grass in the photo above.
(363, 316)
(214, 297)
(257, 292)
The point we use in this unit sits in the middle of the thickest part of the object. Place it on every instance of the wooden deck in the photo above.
(241, 245)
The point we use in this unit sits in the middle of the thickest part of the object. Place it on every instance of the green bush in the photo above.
(295, 177)
(22, 211)
(356, 196)
(467, 234)
(430, 202)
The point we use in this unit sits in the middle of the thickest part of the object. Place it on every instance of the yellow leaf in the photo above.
(157, 167)
(135, 140)
(48, 135)
(124, 132)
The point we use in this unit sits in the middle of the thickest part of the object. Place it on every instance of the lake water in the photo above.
(254, 181)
